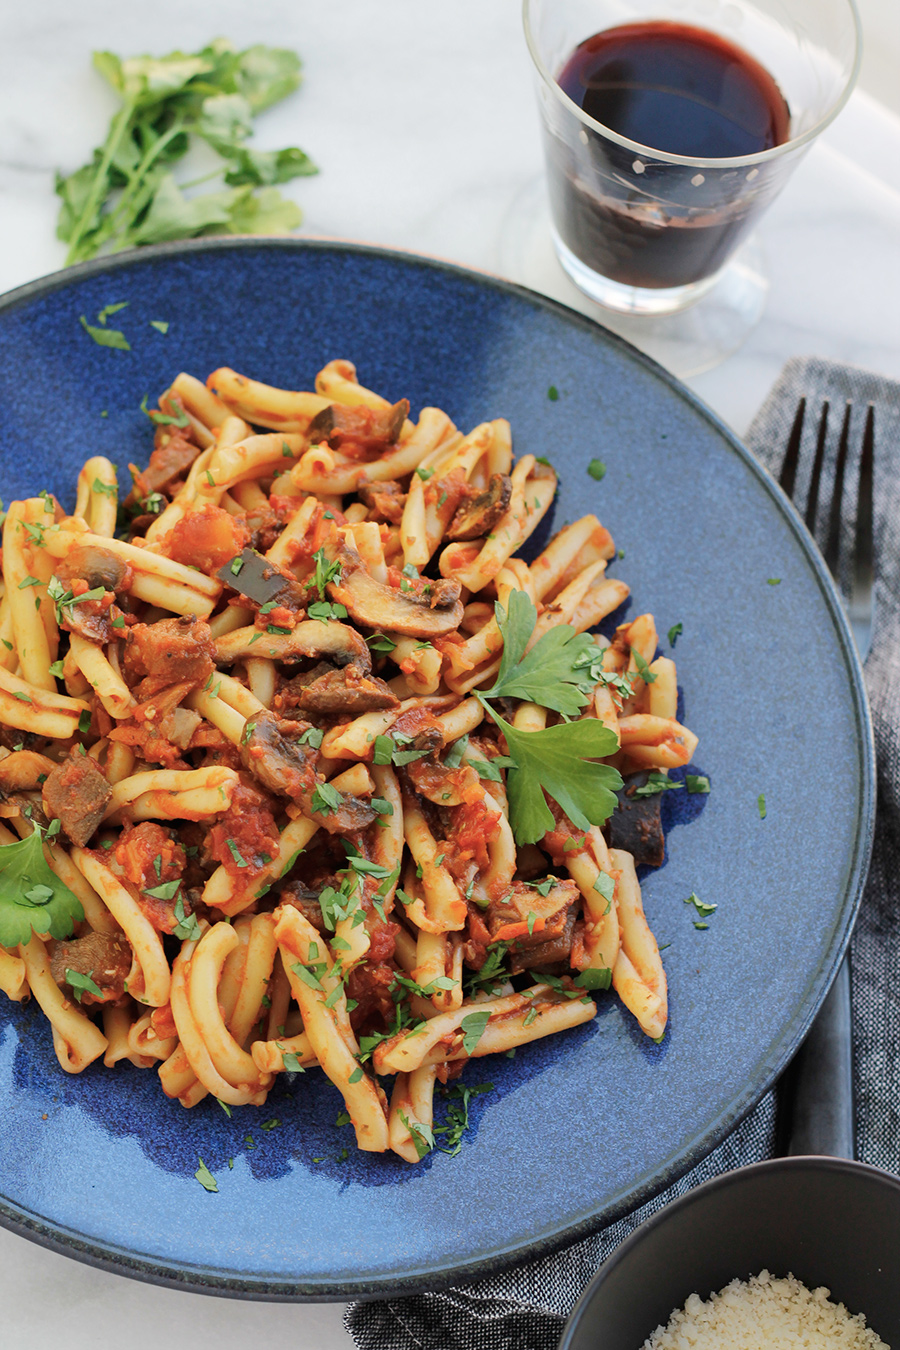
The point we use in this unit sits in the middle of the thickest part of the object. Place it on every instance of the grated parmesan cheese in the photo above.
(765, 1313)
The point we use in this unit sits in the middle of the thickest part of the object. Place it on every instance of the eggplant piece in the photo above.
(262, 583)
(636, 824)
(376, 428)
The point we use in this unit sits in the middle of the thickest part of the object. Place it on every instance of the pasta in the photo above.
(277, 744)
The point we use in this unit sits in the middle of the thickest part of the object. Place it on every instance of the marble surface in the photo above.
(421, 117)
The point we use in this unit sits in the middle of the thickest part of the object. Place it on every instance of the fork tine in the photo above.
(832, 547)
(812, 501)
(864, 546)
(792, 453)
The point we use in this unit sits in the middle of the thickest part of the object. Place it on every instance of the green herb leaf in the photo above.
(594, 978)
(32, 897)
(326, 799)
(421, 1135)
(205, 1177)
(78, 983)
(553, 393)
(559, 760)
(187, 928)
(106, 337)
(555, 673)
(473, 1027)
(597, 469)
(696, 782)
(761, 804)
(773, 581)
(161, 325)
(674, 633)
(644, 670)
(656, 782)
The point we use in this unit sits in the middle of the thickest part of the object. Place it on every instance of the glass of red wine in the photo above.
(670, 126)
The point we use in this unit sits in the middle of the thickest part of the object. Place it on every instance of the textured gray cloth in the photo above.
(525, 1309)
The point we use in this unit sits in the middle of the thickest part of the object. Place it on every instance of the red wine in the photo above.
(675, 88)
(681, 90)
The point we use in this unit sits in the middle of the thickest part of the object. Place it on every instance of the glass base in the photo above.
(713, 321)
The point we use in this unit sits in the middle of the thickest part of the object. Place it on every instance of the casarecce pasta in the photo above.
(256, 746)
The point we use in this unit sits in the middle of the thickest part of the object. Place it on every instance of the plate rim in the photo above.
(216, 1281)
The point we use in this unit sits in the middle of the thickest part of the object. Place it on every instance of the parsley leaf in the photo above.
(594, 978)
(559, 760)
(106, 337)
(674, 633)
(472, 1028)
(553, 673)
(696, 782)
(656, 782)
(205, 1177)
(32, 898)
(82, 984)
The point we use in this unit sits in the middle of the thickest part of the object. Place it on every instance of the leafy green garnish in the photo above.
(106, 337)
(558, 673)
(82, 984)
(472, 1028)
(674, 633)
(656, 782)
(594, 978)
(696, 782)
(761, 805)
(597, 469)
(554, 673)
(205, 1177)
(458, 1114)
(32, 898)
(126, 194)
(559, 761)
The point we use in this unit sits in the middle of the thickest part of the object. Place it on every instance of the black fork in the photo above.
(816, 1093)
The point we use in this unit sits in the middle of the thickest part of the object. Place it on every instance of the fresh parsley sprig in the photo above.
(126, 194)
(558, 674)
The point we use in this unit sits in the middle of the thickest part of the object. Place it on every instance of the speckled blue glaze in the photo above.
(581, 1127)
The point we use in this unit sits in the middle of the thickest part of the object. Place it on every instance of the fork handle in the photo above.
(821, 1108)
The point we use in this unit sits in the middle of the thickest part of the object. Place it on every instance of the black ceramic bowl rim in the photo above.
(737, 1177)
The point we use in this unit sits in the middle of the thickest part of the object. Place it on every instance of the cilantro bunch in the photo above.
(127, 194)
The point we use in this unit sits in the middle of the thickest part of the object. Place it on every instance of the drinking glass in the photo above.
(645, 232)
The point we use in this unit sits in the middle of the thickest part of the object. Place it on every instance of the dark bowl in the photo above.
(826, 1221)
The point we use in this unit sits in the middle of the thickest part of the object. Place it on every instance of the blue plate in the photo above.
(579, 1128)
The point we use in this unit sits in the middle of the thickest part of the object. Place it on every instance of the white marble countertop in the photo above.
(422, 119)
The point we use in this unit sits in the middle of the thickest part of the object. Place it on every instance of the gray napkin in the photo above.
(526, 1309)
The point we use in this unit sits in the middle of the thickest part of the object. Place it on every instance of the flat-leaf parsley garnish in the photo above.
(32, 897)
(559, 674)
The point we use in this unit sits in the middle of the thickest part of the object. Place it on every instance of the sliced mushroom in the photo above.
(311, 638)
(275, 753)
(345, 691)
(97, 566)
(434, 613)
(477, 516)
(384, 500)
